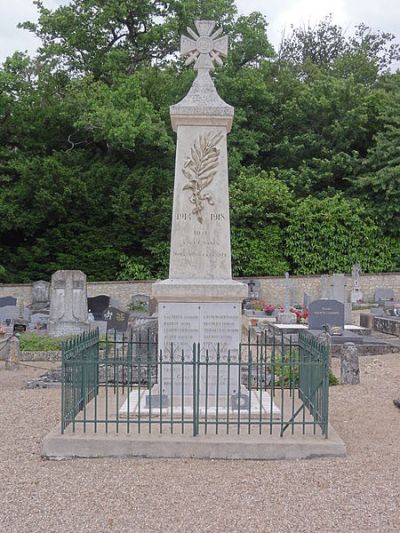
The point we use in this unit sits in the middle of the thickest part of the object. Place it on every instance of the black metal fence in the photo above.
(124, 383)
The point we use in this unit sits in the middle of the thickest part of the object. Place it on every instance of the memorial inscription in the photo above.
(212, 326)
(326, 312)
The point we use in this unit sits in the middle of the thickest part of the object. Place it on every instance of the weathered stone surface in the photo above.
(40, 295)
(349, 365)
(390, 326)
(356, 293)
(383, 294)
(68, 303)
(140, 303)
(40, 355)
(366, 320)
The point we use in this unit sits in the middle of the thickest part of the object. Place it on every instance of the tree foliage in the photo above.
(87, 150)
(332, 234)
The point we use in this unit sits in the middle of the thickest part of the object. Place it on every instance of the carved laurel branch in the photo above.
(200, 169)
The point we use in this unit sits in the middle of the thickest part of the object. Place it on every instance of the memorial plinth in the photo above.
(199, 302)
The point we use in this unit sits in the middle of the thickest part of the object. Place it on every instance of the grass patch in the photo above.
(31, 342)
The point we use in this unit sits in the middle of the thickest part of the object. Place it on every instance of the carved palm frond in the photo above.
(200, 169)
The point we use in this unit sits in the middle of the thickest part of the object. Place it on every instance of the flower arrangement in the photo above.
(257, 305)
(269, 309)
(301, 314)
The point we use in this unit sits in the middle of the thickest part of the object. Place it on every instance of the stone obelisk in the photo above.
(199, 302)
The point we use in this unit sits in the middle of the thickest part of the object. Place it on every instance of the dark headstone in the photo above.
(116, 319)
(8, 301)
(325, 312)
(97, 305)
(382, 294)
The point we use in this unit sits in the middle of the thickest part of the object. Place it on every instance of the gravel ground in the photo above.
(356, 494)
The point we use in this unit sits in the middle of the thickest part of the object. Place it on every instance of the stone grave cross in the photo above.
(204, 48)
(287, 293)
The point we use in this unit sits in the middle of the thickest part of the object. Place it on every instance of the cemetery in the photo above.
(201, 381)
(209, 358)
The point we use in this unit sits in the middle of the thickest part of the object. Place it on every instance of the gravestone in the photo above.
(384, 295)
(8, 301)
(140, 303)
(306, 299)
(97, 305)
(335, 288)
(9, 313)
(325, 312)
(325, 286)
(39, 320)
(68, 303)
(338, 287)
(287, 317)
(254, 288)
(356, 293)
(199, 302)
(40, 296)
(116, 319)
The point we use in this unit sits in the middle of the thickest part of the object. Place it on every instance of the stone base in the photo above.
(62, 329)
(199, 290)
(254, 447)
(286, 318)
(258, 403)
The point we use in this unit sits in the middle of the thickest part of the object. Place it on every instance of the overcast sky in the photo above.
(281, 14)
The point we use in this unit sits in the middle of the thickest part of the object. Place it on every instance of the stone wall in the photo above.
(273, 287)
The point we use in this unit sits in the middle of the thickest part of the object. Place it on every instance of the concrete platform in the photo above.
(260, 447)
(101, 431)
(260, 404)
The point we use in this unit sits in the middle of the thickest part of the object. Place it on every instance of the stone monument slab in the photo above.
(68, 303)
(383, 294)
(215, 327)
(325, 312)
(140, 303)
(40, 295)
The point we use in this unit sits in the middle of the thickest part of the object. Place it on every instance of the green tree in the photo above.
(331, 234)
(379, 180)
(260, 205)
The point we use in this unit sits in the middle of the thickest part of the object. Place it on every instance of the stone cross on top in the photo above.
(206, 47)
